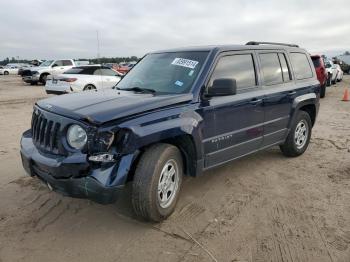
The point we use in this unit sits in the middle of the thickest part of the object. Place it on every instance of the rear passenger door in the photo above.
(279, 93)
(238, 119)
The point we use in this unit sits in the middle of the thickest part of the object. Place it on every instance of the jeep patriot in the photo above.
(177, 112)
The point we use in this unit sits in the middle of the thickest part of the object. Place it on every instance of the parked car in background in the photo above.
(331, 72)
(82, 78)
(179, 112)
(113, 66)
(321, 72)
(49, 67)
(125, 67)
(340, 73)
(9, 70)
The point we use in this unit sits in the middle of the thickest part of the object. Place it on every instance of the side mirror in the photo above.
(223, 87)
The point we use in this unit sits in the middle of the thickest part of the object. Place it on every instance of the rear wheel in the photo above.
(157, 182)
(89, 87)
(43, 78)
(6, 73)
(323, 90)
(329, 80)
(299, 136)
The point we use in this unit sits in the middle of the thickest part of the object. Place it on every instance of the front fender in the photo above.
(161, 126)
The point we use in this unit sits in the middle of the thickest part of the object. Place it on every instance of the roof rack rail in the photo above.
(270, 43)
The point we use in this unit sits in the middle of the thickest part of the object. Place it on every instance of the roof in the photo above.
(222, 48)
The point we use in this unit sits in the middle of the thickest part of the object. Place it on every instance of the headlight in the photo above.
(76, 136)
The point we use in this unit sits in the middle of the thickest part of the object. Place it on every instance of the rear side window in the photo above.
(107, 72)
(285, 69)
(271, 68)
(302, 68)
(67, 62)
(81, 71)
(239, 67)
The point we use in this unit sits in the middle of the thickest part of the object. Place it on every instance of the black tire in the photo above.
(323, 90)
(43, 78)
(335, 80)
(290, 147)
(89, 87)
(6, 73)
(33, 83)
(329, 79)
(148, 174)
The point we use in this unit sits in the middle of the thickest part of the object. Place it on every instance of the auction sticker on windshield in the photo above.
(184, 62)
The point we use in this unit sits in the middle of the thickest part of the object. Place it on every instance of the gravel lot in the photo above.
(264, 207)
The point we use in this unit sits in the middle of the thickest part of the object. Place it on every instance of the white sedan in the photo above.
(82, 78)
(9, 70)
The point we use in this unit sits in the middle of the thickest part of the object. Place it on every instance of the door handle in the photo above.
(291, 93)
(255, 101)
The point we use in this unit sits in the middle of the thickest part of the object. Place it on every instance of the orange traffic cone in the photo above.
(346, 95)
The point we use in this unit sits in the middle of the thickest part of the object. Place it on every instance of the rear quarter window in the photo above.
(301, 66)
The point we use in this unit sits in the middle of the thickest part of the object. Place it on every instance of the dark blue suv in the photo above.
(177, 112)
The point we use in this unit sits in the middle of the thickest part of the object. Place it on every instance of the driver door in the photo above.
(238, 119)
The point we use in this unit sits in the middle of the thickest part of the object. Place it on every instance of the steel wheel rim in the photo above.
(168, 183)
(301, 134)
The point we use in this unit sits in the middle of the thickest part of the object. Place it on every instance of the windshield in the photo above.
(46, 63)
(165, 73)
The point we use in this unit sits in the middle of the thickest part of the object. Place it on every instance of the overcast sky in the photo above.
(67, 29)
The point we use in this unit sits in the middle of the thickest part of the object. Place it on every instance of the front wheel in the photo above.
(6, 73)
(157, 182)
(299, 135)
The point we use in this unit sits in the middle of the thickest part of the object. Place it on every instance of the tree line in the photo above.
(102, 60)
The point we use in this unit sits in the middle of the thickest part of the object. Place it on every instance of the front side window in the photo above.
(58, 63)
(46, 63)
(239, 67)
(271, 68)
(301, 66)
(165, 73)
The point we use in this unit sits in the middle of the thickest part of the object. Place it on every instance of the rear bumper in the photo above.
(73, 175)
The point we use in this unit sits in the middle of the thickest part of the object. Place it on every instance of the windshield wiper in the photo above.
(138, 89)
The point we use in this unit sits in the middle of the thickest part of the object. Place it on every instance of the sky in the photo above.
(45, 29)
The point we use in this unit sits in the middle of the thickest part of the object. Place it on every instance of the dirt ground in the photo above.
(264, 207)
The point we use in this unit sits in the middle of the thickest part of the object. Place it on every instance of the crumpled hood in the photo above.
(102, 106)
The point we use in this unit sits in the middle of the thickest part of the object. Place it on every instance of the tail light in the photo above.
(69, 79)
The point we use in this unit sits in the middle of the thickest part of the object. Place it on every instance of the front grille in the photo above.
(45, 133)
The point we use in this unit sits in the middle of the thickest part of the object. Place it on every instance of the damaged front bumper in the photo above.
(74, 175)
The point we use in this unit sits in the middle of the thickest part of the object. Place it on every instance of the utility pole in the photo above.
(98, 47)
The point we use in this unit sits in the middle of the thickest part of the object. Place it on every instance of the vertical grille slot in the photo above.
(45, 133)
